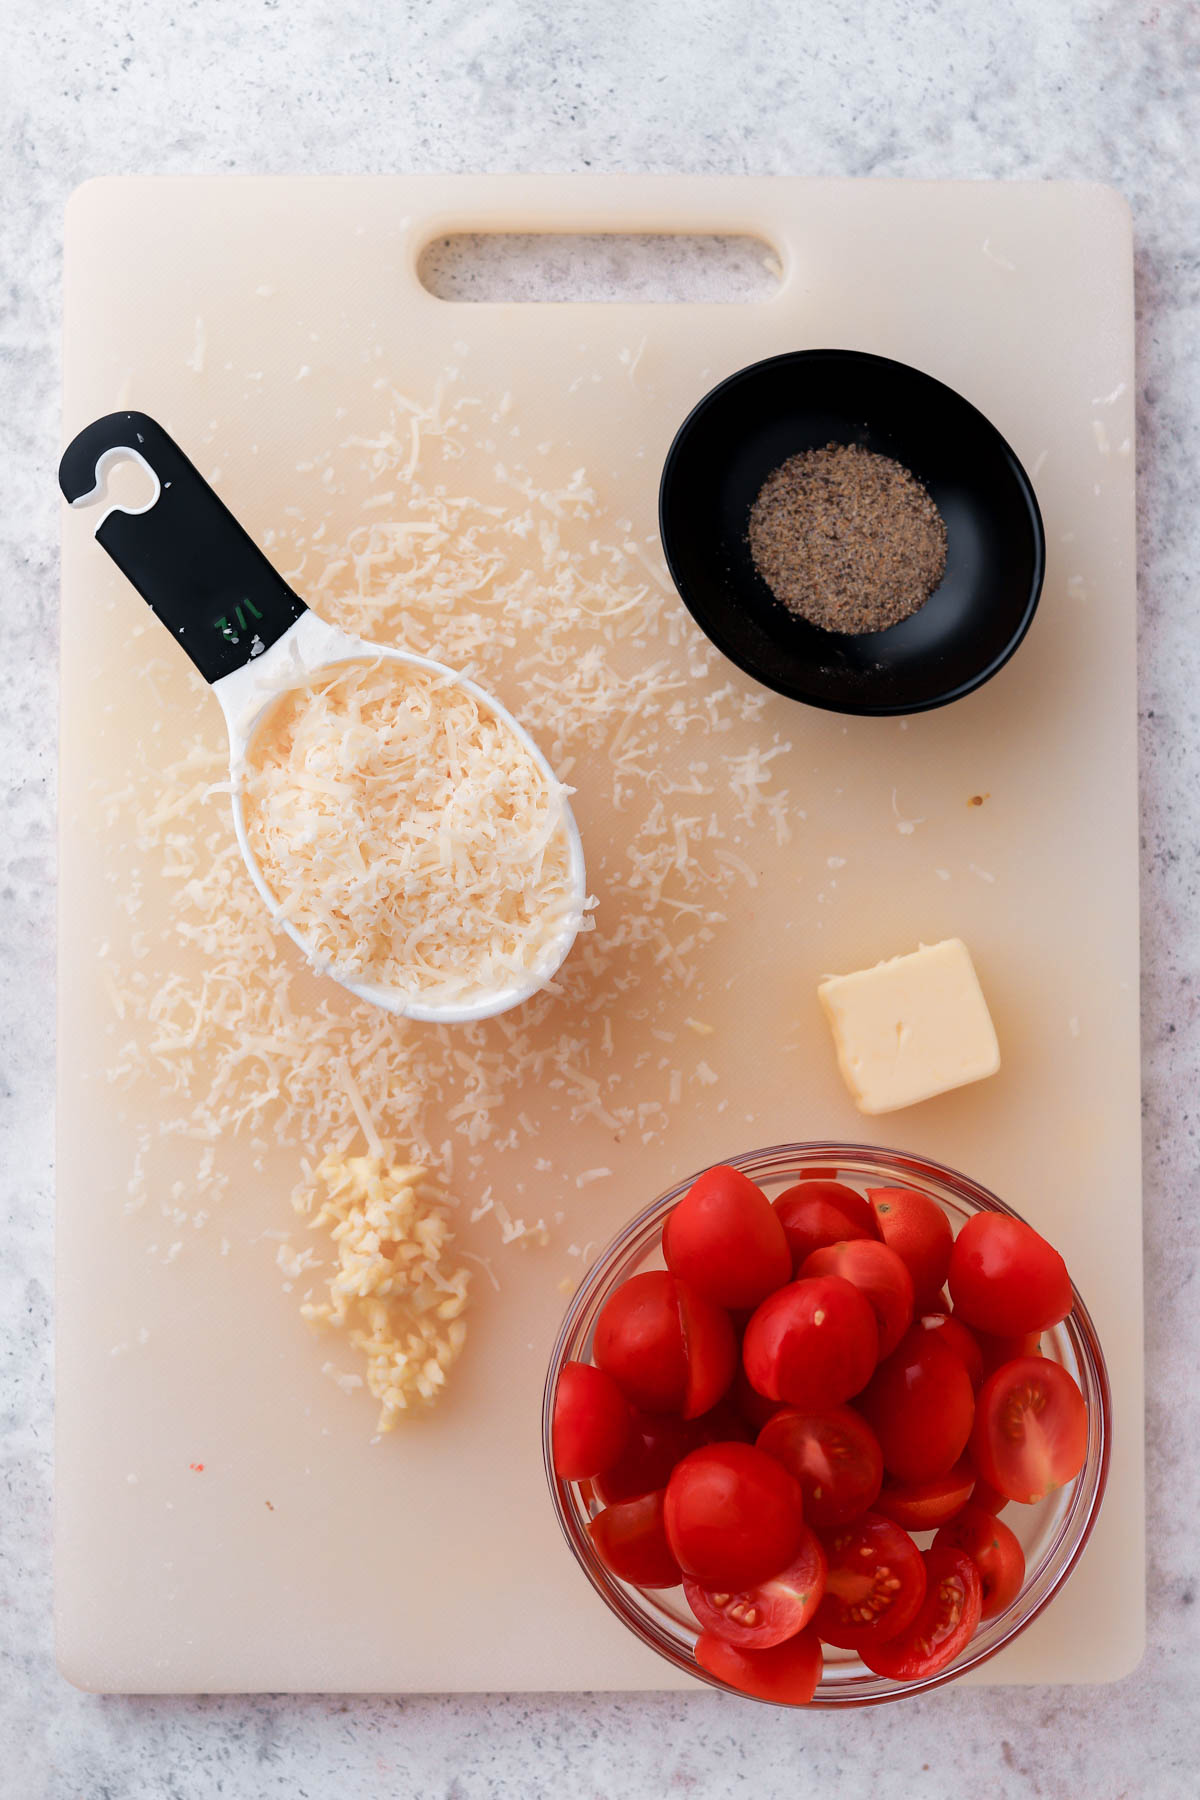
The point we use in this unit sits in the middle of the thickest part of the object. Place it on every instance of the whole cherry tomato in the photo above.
(592, 1422)
(734, 1516)
(920, 1406)
(1005, 1278)
(724, 1238)
(813, 1343)
(917, 1229)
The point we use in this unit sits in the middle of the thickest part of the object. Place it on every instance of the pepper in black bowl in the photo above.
(757, 419)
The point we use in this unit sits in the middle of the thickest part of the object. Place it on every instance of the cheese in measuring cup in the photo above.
(407, 834)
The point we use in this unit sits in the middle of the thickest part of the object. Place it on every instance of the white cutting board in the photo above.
(265, 323)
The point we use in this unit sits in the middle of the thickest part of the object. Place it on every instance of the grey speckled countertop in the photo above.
(1105, 89)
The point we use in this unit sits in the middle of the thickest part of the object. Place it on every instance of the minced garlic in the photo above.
(396, 1290)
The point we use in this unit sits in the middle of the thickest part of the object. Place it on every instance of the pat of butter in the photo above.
(911, 1028)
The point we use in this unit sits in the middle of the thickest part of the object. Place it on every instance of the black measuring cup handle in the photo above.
(186, 555)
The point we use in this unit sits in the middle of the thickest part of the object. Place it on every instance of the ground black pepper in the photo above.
(847, 538)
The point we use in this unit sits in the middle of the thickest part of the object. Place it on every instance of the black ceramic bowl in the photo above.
(995, 554)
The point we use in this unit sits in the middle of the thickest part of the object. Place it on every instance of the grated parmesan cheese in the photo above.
(395, 1291)
(525, 582)
(408, 835)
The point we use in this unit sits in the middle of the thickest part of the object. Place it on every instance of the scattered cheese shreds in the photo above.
(527, 583)
(396, 1291)
(408, 835)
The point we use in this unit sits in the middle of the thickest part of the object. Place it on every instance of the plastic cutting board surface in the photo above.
(267, 322)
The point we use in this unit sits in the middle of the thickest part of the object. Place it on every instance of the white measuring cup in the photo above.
(252, 639)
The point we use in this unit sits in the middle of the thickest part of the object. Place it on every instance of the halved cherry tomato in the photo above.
(592, 1422)
(957, 1337)
(924, 1505)
(1006, 1279)
(818, 1212)
(813, 1342)
(630, 1538)
(834, 1455)
(874, 1583)
(774, 1610)
(657, 1441)
(725, 1239)
(920, 1406)
(1031, 1428)
(639, 1342)
(943, 1627)
(754, 1407)
(880, 1277)
(667, 1348)
(787, 1673)
(711, 1347)
(996, 1351)
(917, 1229)
(734, 1516)
(988, 1499)
(994, 1550)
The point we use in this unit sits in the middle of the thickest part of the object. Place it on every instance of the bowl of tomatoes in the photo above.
(827, 1424)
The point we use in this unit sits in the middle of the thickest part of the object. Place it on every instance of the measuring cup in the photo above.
(252, 639)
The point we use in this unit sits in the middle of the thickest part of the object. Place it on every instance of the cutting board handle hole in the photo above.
(633, 268)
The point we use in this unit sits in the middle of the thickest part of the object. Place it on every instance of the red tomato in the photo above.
(788, 1673)
(631, 1540)
(994, 1550)
(957, 1337)
(917, 1229)
(1006, 1279)
(721, 1424)
(711, 1347)
(924, 1505)
(734, 1517)
(592, 1422)
(754, 1407)
(813, 1342)
(1031, 1428)
(920, 1406)
(639, 1342)
(834, 1455)
(657, 1441)
(986, 1498)
(943, 1627)
(667, 1348)
(879, 1275)
(772, 1611)
(817, 1212)
(996, 1351)
(874, 1583)
(725, 1239)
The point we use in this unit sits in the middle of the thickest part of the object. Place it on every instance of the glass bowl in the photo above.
(1052, 1533)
